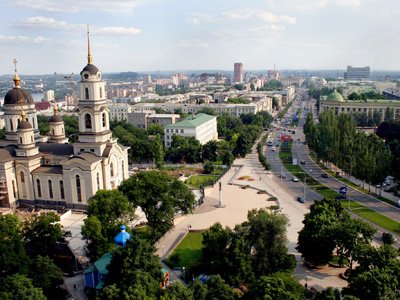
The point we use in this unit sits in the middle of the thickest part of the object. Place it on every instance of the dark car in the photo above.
(302, 162)
(283, 176)
(324, 175)
(301, 199)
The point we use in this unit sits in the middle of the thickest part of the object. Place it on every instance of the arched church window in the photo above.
(22, 175)
(50, 189)
(104, 119)
(20, 139)
(86, 93)
(39, 189)
(112, 170)
(98, 181)
(11, 125)
(78, 188)
(31, 138)
(62, 189)
(52, 131)
(101, 92)
(88, 121)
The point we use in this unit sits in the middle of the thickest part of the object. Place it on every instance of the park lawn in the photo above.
(188, 251)
(198, 181)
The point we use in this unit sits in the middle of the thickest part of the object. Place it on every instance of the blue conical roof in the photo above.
(122, 237)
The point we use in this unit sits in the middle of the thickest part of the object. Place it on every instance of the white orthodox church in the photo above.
(47, 171)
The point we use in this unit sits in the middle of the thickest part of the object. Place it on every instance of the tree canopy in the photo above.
(160, 196)
(107, 210)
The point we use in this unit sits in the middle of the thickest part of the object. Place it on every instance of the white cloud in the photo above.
(23, 39)
(116, 30)
(242, 15)
(273, 19)
(200, 18)
(43, 22)
(51, 23)
(267, 28)
(74, 6)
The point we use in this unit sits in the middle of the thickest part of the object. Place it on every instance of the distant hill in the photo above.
(129, 76)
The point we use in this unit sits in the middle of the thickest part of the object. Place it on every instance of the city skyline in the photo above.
(142, 35)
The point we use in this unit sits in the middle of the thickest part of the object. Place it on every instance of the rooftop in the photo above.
(193, 121)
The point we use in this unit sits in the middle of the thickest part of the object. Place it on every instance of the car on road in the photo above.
(302, 162)
(273, 149)
(324, 175)
(295, 179)
(301, 199)
(283, 176)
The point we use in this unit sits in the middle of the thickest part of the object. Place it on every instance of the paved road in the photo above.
(301, 151)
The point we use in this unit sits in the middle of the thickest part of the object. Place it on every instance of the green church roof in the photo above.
(335, 96)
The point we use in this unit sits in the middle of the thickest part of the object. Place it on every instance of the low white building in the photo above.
(201, 126)
(119, 111)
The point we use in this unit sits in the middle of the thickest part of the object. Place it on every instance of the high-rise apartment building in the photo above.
(354, 73)
(238, 72)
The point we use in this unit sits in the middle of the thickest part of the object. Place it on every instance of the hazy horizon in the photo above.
(48, 36)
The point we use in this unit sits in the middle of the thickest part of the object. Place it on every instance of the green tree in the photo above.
(107, 210)
(278, 286)
(158, 151)
(176, 291)
(43, 124)
(207, 111)
(349, 234)
(218, 289)
(155, 129)
(209, 151)
(42, 233)
(135, 269)
(13, 257)
(377, 283)
(71, 126)
(47, 276)
(208, 167)
(19, 287)
(160, 196)
(199, 290)
(328, 294)
(316, 239)
(215, 247)
(184, 149)
(275, 103)
(266, 236)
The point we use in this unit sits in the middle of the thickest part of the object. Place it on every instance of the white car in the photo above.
(273, 149)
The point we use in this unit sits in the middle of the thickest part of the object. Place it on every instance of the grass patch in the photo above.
(372, 216)
(188, 252)
(283, 112)
(198, 181)
(143, 232)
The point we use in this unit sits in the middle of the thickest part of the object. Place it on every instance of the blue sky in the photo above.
(48, 36)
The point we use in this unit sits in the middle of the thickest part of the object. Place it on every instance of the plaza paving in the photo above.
(238, 202)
